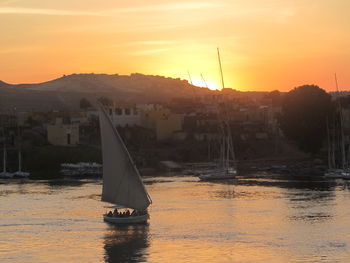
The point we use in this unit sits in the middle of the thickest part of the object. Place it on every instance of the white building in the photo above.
(123, 116)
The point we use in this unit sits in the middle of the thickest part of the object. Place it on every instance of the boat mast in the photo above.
(226, 126)
(19, 160)
(189, 77)
(329, 146)
(205, 83)
(228, 151)
(4, 150)
(342, 140)
(4, 159)
(222, 77)
(19, 146)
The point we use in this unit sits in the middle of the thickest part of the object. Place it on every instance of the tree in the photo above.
(275, 97)
(304, 115)
(84, 104)
(105, 101)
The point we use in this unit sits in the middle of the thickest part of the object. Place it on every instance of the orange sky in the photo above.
(264, 45)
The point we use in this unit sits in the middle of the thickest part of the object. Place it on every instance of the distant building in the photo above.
(63, 134)
(123, 115)
(149, 107)
(163, 122)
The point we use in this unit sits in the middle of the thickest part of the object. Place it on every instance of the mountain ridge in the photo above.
(66, 91)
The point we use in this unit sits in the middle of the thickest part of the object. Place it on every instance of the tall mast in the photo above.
(226, 124)
(19, 145)
(189, 77)
(4, 150)
(205, 83)
(19, 160)
(222, 77)
(329, 146)
(223, 151)
(342, 144)
(334, 144)
(4, 159)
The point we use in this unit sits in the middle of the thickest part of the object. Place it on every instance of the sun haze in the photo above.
(265, 45)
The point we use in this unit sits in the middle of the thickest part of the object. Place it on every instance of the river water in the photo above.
(256, 218)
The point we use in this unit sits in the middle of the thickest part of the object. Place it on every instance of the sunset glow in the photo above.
(198, 81)
(265, 45)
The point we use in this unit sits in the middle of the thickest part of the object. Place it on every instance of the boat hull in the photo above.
(20, 174)
(211, 177)
(126, 220)
(6, 175)
(217, 174)
(338, 174)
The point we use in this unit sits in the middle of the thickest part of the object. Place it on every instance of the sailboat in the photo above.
(227, 165)
(122, 183)
(4, 173)
(337, 167)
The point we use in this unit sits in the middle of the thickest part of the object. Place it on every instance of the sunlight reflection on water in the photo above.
(250, 219)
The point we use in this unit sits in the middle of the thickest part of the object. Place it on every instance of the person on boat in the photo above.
(115, 212)
(127, 213)
(110, 214)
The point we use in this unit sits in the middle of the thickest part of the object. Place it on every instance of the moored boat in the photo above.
(5, 174)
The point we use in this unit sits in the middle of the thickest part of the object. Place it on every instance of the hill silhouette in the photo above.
(4, 84)
(65, 92)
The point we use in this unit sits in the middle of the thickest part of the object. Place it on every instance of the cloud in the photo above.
(149, 51)
(150, 8)
(39, 11)
(165, 7)
(153, 43)
(9, 2)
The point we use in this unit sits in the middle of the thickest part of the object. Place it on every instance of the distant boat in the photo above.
(338, 165)
(122, 183)
(227, 168)
(81, 169)
(20, 173)
(4, 173)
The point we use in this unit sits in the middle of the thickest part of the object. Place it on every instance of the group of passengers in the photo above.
(126, 213)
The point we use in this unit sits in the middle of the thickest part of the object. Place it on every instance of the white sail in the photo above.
(122, 183)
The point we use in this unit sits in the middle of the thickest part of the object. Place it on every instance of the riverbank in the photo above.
(289, 166)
